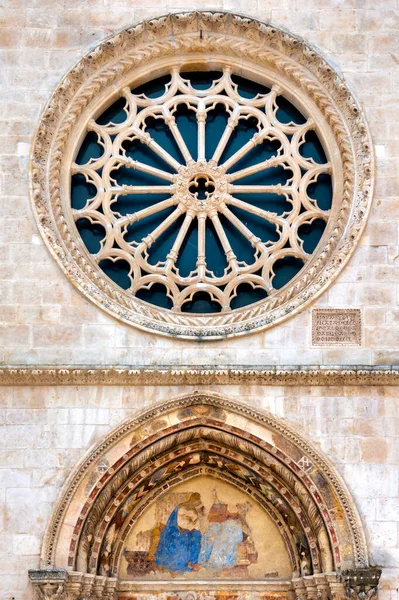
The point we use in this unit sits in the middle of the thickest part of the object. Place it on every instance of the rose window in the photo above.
(201, 191)
(202, 175)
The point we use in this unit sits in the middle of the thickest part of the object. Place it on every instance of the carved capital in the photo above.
(335, 587)
(60, 584)
(73, 586)
(299, 589)
(311, 587)
(49, 584)
(361, 584)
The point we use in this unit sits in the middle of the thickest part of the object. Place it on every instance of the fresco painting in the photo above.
(211, 530)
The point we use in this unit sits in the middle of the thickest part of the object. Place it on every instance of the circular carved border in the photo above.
(201, 36)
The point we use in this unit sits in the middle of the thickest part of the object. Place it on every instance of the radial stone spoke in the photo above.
(260, 189)
(259, 212)
(125, 190)
(174, 251)
(171, 121)
(246, 232)
(146, 139)
(201, 260)
(139, 166)
(151, 237)
(230, 256)
(146, 212)
(254, 141)
(262, 166)
(201, 119)
(231, 125)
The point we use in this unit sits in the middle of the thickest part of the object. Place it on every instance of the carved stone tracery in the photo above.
(219, 177)
(232, 42)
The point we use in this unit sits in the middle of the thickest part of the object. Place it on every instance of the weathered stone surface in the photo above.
(45, 431)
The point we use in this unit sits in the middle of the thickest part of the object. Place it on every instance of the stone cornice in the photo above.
(339, 375)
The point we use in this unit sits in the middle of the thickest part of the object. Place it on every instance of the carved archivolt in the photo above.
(186, 438)
(232, 45)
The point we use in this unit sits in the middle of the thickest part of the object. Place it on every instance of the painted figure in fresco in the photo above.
(180, 540)
(227, 541)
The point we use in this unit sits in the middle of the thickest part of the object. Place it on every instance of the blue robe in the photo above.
(176, 548)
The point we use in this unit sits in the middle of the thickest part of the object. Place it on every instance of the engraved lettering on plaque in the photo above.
(336, 327)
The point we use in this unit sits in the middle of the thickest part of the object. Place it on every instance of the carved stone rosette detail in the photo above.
(230, 43)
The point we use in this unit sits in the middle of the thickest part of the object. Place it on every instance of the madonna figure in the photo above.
(180, 540)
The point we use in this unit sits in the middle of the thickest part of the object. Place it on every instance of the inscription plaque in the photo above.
(336, 327)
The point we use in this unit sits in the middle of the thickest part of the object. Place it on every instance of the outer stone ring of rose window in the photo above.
(203, 191)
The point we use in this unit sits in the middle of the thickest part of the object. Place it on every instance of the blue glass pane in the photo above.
(287, 112)
(154, 88)
(321, 191)
(249, 89)
(81, 191)
(186, 121)
(114, 113)
(216, 122)
(215, 256)
(90, 148)
(201, 303)
(312, 148)
(285, 269)
(155, 295)
(202, 80)
(117, 271)
(91, 234)
(246, 294)
(311, 234)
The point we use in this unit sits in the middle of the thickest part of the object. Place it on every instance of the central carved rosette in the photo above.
(198, 180)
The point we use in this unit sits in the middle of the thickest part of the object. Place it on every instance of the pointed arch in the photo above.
(204, 434)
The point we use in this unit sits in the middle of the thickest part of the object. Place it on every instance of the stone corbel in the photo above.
(311, 587)
(361, 584)
(60, 584)
(321, 586)
(49, 584)
(300, 590)
(336, 589)
(323, 592)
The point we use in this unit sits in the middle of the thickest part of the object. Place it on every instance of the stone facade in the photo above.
(47, 429)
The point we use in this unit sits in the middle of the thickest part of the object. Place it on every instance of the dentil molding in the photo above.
(359, 375)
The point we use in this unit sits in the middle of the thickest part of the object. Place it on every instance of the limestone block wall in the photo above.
(46, 430)
(45, 320)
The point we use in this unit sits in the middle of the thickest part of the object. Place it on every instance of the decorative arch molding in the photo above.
(187, 441)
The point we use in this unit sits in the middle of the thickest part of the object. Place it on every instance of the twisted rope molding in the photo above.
(42, 375)
(222, 34)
